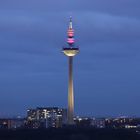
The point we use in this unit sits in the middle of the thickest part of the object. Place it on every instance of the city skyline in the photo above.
(34, 73)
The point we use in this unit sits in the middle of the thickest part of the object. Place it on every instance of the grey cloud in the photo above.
(119, 7)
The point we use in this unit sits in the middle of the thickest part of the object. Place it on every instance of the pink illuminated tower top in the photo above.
(70, 34)
(71, 49)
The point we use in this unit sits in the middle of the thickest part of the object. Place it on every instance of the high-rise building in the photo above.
(31, 114)
(47, 116)
(54, 116)
(70, 51)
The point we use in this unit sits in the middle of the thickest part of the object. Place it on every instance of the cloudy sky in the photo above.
(34, 71)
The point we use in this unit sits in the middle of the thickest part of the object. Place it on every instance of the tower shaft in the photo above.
(70, 93)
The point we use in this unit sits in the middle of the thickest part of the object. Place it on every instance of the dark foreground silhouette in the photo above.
(70, 134)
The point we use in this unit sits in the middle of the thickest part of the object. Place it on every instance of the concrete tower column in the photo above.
(70, 93)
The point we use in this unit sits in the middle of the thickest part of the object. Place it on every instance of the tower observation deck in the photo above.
(70, 51)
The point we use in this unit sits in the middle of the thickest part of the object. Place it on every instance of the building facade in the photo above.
(47, 117)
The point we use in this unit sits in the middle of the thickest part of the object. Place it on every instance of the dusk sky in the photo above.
(34, 71)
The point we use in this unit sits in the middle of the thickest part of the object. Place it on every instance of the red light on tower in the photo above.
(70, 33)
(70, 41)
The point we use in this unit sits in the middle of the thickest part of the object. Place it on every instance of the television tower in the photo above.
(70, 51)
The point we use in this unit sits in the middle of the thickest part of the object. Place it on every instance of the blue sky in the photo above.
(34, 71)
